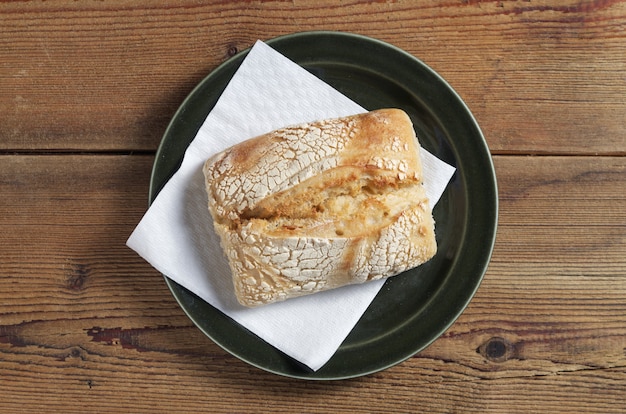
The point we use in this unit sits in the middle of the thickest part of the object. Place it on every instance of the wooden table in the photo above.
(86, 92)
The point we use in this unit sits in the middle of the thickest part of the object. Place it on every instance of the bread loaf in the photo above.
(321, 205)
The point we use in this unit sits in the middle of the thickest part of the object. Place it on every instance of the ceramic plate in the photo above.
(414, 308)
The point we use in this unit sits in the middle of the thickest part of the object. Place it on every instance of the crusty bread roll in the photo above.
(321, 205)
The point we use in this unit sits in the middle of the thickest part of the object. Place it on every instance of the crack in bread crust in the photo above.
(337, 203)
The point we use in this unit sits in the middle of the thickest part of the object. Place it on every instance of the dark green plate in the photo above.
(412, 309)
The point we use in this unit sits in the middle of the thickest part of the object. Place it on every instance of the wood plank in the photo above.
(85, 323)
(540, 77)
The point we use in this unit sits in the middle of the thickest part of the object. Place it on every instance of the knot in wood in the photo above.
(76, 275)
(496, 349)
(232, 50)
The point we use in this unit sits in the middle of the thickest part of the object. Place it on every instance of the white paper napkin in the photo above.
(176, 235)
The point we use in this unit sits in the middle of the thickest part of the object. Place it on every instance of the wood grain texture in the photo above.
(541, 76)
(86, 92)
(87, 325)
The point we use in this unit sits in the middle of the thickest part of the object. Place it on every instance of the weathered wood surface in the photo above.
(83, 319)
(86, 91)
(540, 76)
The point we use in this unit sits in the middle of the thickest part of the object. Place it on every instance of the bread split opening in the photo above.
(342, 202)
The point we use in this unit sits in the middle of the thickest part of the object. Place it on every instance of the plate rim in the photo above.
(236, 60)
